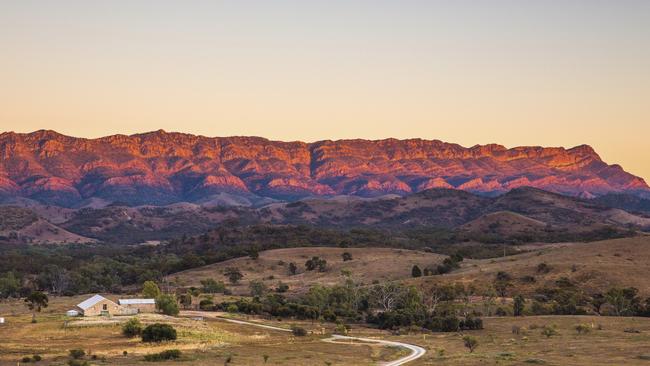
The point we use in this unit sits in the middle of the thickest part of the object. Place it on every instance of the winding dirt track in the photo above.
(416, 351)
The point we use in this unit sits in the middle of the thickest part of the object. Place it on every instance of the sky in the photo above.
(550, 73)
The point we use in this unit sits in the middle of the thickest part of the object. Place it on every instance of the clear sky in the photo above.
(554, 73)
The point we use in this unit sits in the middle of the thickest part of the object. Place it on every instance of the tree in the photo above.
(416, 272)
(346, 256)
(167, 304)
(9, 285)
(158, 332)
(254, 253)
(150, 290)
(316, 263)
(293, 269)
(258, 288)
(282, 287)
(233, 274)
(185, 300)
(518, 305)
(470, 343)
(386, 296)
(132, 328)
(36, 301)
(212, 286)
(624, 300)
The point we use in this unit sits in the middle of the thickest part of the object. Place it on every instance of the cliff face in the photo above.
(161, 168)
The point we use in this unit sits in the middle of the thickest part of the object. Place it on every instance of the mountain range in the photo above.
(160, 168)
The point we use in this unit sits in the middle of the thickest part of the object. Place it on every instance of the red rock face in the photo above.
(161, 168)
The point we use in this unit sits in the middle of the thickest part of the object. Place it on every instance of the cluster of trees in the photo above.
(448, 264)
(388, 306)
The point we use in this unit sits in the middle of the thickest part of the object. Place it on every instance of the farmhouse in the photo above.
(138, 305)
(99, 305)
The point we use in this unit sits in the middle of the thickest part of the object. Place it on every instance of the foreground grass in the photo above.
(607, 343)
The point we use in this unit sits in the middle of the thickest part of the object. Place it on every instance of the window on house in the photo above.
(105, 307)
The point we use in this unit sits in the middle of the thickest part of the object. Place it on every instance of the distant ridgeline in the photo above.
(160, 168)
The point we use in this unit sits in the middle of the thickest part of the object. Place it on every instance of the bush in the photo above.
(132, 328)
(548, 331)
(298, 331)
(37, 358)
(206, 304)
(169, 354)
(26, 359)
(77, 353)
(583, 328)
(158, 333)
(77, 363)
(232, 308)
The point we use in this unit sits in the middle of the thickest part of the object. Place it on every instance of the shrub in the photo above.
(548, 331)
(158, 333)
(346, 256)
(37, 358)
(582, 328)
(132, 328)
(232, 308)
(26, 359)
(169, 354)
(470, 343)
(77, 363)
(206, 304)
(77, 353)
(150, 289)
(298, 331)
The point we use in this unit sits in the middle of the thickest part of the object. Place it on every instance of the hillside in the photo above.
(160, 168)
(21, 225)
(366, 266)
(442, 215)
(593, 267)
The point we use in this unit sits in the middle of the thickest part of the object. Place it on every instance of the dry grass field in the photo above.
(203, 342)
(595, 266)
(367, 265)
(609, 341)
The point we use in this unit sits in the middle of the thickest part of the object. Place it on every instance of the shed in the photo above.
(138, 305)
(99, 305)
(72, 313)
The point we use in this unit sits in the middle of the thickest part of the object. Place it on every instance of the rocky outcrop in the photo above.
(161, 168)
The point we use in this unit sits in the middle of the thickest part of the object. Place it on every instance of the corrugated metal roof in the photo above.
(90, 302)
(135, 301)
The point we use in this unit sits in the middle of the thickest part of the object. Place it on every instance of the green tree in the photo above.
(150, 290)
(518, 305)
(186, 300)
(416, 271)
(233, 274)
(258, 288)
(293, 268)
(212, 286)
(167, 304)
(9, 285)
(624, 300)
(36, 301)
